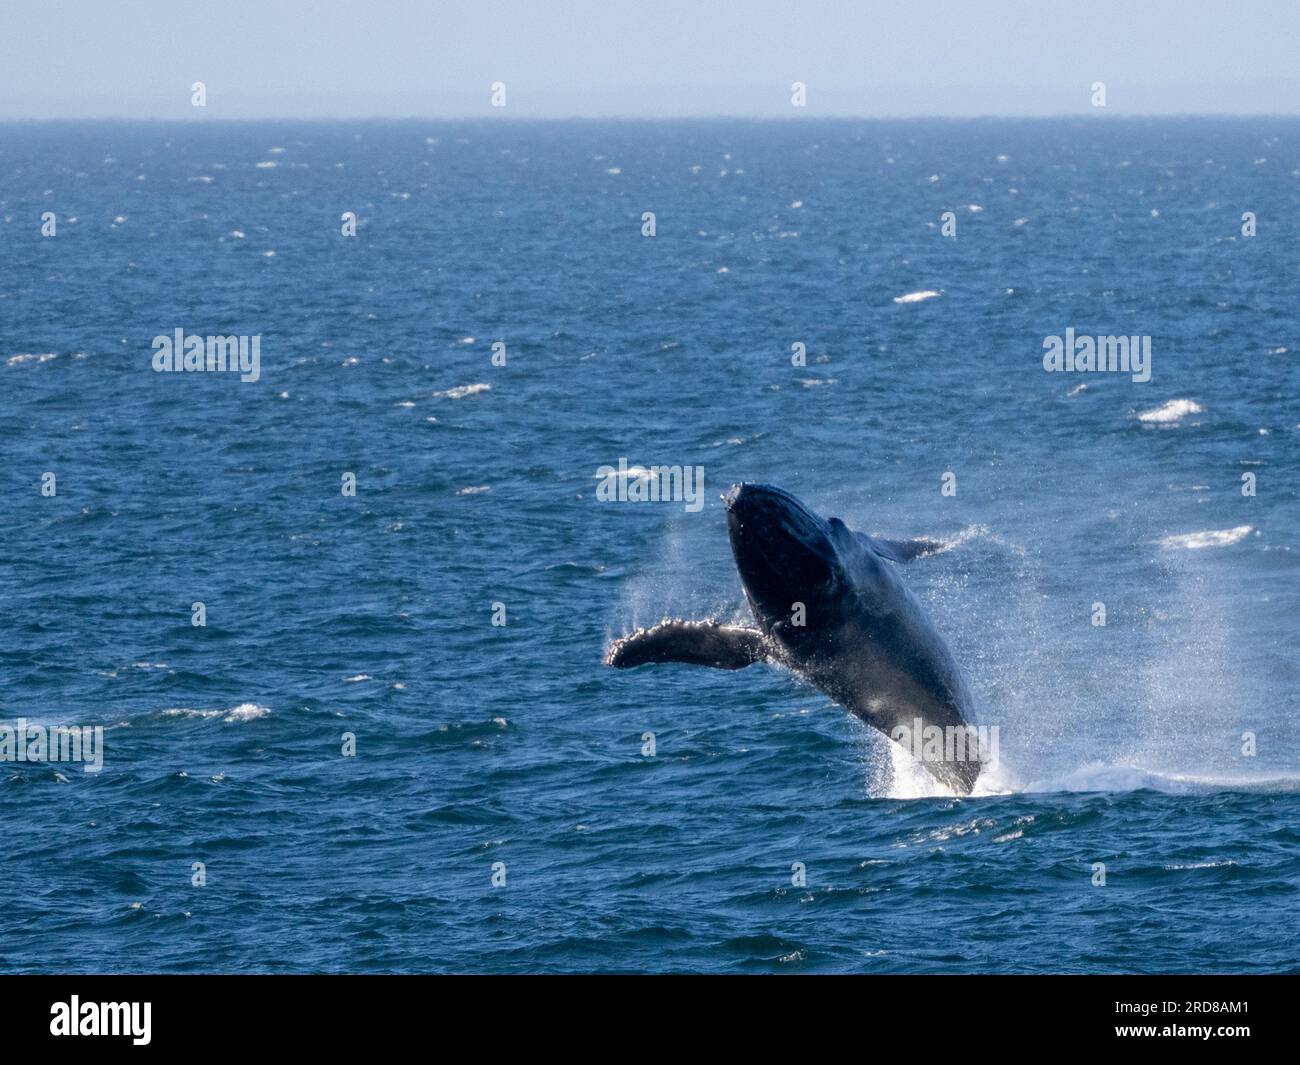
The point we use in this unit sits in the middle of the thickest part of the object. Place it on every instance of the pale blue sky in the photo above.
(641, 57)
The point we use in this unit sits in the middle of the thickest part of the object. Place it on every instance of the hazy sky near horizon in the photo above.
(338, 58)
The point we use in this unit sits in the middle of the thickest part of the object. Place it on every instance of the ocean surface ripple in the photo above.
(769, 831)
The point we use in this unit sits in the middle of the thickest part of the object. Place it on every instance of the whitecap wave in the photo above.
(231, 716)
(1206, 538)
(245, 712)
(636, 473)
(1175, 866)
(1173, 411)
(461, 391)
(916, 297)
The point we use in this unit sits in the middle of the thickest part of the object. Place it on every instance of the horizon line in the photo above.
(1090, 116)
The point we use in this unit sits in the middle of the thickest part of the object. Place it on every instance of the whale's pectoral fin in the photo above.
(699, 643)
(902, 550)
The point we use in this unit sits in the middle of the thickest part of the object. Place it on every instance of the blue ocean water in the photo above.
(508, 751)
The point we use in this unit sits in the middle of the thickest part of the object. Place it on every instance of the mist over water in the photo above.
(479, 744)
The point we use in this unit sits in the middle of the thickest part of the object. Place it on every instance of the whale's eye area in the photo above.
(783, 552)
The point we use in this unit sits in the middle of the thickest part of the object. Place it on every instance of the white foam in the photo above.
(1199, 865)
(461, 391)
(1172, 411)
(639, 473)
(234, 715)
(909, 779)
(185, 711)
(245, 712)
(1206, 538)
(1109, 778)
(916, 297)
(971, 533)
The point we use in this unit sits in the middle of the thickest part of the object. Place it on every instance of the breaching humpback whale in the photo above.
(830, 605)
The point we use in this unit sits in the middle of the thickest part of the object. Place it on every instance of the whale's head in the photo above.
(785, 555)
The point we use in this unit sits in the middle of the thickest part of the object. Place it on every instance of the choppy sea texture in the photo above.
(481, 744)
